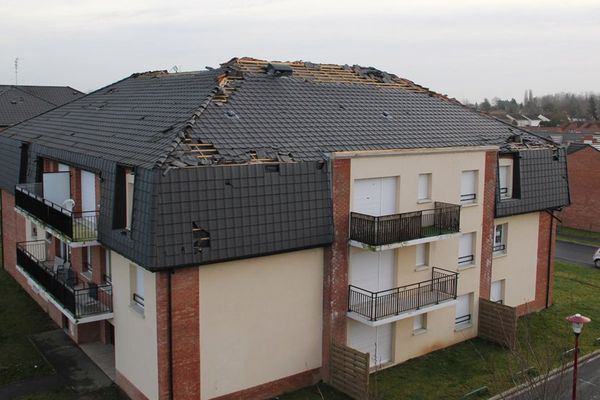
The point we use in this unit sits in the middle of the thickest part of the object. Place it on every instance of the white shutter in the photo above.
(467, 185)
(496, 291)
(418, 322)
(503, 172)
(421, 250)
(88, 192)
(465, 245)
(424, 185)
(57, 187)
(139, 281)
(463, 306)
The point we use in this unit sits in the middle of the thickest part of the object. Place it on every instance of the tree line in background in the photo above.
(559, 107)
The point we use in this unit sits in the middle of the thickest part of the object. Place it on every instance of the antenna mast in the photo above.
(17, 71)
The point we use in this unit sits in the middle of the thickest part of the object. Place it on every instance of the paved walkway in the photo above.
(73, 368)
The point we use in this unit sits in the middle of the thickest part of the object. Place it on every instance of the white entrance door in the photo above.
(88, 191)
(373, 271)
(376, 196)
(377, 341)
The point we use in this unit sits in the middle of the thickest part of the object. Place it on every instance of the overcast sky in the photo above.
(466, 49)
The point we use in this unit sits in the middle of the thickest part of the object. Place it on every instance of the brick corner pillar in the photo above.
(487, 227)
(13, 231)
(544, 281)
(335, 276)
(185, 333)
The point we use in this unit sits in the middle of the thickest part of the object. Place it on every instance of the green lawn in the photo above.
(578, 236)
(20, 316)
(457, 370)
(64, 393)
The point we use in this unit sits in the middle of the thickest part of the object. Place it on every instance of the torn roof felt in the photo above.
(250, 111)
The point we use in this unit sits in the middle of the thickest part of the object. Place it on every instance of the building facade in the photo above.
(223, 228)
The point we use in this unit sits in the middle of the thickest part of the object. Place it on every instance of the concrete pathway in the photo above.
(576, 253)
(103, 355)
(73, 368)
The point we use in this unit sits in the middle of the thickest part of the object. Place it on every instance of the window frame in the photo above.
(500, 247)
(464, 319)
(466, 260)
(469, 195)
(428, 182)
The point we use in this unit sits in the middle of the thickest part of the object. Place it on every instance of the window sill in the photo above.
(467, 205)
(421, 268)
(420, 331)
(87, 275)
(465, 267)
(138, 309)
(463, 326)
(424, 201)
(499, 254)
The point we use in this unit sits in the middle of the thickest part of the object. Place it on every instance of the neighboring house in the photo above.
(21, 102)
(584, 211)
(222, 228)
(522, 120)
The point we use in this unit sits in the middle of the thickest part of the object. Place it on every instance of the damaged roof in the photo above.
(21, 102)
(249, 111)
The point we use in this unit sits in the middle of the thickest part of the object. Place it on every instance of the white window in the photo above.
(505, 192)
(468, 187)
(466, 244)
(424, 192)
(422, 251)
(130, 180)
(500, 232)
(108, 271)
(137, 289)
(419, 323)
(34, 231)
(463, 309)
(497, 291)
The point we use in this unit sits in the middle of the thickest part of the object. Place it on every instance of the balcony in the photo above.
(54, 277)
(376, 308)
(73, 226)
(397, 230)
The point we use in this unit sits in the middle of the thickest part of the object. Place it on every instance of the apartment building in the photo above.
(223, 228)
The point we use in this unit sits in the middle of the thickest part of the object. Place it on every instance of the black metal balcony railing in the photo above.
(386, 303)
(62, 284)
(78, 226)
(388, 229)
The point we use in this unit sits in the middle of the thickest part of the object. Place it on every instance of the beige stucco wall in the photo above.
(135, 332)
(518, 266)
(446, 169)
(260, 320)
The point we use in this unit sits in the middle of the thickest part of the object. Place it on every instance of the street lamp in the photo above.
(577, 321)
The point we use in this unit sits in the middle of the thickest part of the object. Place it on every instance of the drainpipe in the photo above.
(549, 258)
(169, 332)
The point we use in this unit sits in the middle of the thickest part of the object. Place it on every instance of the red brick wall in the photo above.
(541, 281)
(489, 200)
(185, 332)
(584, 185)
(335, 277)
(274, 388)
(13, 231)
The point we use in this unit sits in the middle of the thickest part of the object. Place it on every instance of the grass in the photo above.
(457, 370)
(578, 236)
(20, 316)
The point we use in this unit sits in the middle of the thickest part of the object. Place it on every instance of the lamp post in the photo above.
(577, 321)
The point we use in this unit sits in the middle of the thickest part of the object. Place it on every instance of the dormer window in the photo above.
(124, 191)
(505, 178)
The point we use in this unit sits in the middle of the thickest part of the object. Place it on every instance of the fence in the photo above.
(497, 323)
(349, 371)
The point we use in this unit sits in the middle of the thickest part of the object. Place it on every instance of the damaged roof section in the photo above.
(251, 111)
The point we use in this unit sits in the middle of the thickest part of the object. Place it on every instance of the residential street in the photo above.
(560, 388)
(576, 253)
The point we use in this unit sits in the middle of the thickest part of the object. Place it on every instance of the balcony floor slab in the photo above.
(406, 243)
(401, 316)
